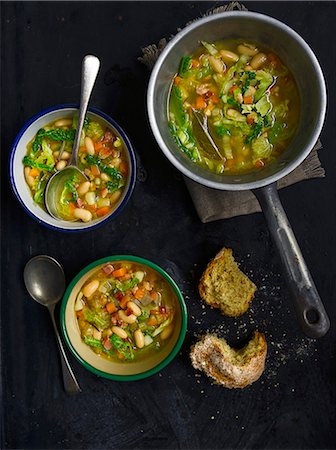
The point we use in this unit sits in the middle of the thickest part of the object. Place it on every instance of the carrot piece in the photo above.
(119, 272)
(105, 152)
(233, 88)
(195, 63)
(34, 172)
(230, 163)
(123, 302)
(123, 167)
(111, 308)
(259, 163)
(72, 208)
(248, 99)
(95, 171)
(79, 313)
(126, 277)
(214, 99)
(152, 321)
(98, 146)
(91, 208)
(139, 294)
(154, 295)
(200, 102)
(82, 149)
(103, 211)
(177, 80)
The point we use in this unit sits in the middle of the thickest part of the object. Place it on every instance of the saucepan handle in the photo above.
(311, 314)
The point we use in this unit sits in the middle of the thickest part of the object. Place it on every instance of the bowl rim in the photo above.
(128, 145)
(177, 291)
(223, 185)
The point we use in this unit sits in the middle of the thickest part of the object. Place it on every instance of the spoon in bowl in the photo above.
(90, 67)
(45, 281)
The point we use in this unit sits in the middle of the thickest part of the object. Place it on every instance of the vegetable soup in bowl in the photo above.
(123, 318)
(44, 146)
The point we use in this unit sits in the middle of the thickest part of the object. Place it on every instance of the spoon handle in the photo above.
(70, 383)
(90, 67)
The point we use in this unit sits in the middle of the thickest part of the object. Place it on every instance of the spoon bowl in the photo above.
(44, 279)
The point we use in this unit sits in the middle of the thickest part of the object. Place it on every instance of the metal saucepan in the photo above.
(302, 62)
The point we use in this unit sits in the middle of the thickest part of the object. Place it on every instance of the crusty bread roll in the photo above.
(227, 366)
(223, 285)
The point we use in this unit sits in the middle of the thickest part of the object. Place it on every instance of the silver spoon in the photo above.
(45, 281)
(90, 67)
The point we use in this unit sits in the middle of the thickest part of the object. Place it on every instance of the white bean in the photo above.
(216, 64)
(115, 196)
(167, 331)
(134, 308)
(139, 339)
(97, 334)
(90, 198)
(246, 49)
(30, 180)
(61, 164)
(88, 142)
(63, 123)
(258, 60)
(83, 188)
(56, 153)
(66, 155)
(90, 288)
(125, 318)
(229, 57)
(116, 162)
(104, 177)
(119, 332)
(82, 214)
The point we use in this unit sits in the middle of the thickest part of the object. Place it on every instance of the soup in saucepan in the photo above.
(233, 106)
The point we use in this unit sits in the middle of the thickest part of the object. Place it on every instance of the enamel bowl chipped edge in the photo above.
(16, 168)
(123, 371)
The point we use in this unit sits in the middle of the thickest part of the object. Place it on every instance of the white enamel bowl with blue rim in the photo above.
(16, 168)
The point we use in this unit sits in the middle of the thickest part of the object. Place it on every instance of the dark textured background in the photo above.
(293, 405)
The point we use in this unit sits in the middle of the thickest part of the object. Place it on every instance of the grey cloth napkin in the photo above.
(212, 204)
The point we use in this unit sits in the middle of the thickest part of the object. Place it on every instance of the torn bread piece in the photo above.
(223, 285)
(232, 368)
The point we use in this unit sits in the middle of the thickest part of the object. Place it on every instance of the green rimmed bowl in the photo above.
(114, 370)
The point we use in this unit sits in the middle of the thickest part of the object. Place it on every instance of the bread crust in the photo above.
(225, 253)
(208, 355)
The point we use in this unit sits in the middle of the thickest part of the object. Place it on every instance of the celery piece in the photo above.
(185, 65)
(210, 47)
(95, 319)
(222, 131)
(89, 340)
(176, 105)
(227, 147)
(163, 325)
